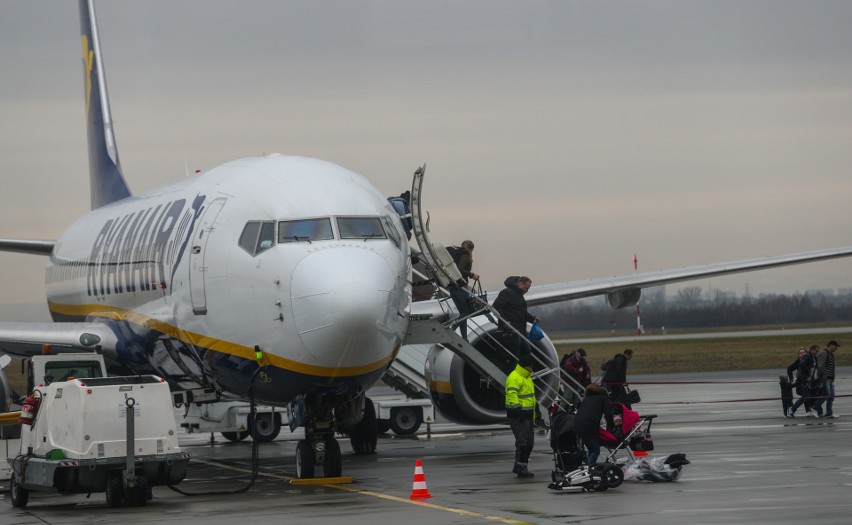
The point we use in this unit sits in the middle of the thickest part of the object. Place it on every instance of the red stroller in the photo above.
(633, 434)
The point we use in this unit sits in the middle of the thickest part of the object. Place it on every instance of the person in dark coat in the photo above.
(459, 292)
(615, 377)
(594, 406)
(792, 371)
(512, 307)
(808, 376)
(577, 368)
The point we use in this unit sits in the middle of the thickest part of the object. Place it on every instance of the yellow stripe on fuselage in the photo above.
(217, 345)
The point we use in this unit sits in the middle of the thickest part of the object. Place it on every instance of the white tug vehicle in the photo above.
(94, 434)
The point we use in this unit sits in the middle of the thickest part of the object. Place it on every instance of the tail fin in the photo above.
(107, 182)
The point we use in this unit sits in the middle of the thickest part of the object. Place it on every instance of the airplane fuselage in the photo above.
(300, 257)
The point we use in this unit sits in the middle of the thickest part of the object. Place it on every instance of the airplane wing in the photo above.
(27, 339)
(624, 290)
(32, 247)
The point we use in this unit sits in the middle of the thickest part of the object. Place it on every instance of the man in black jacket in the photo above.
(512, 307)
(615, 377)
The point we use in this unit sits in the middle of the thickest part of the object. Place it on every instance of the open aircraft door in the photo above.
(436, 255)
(197, 267)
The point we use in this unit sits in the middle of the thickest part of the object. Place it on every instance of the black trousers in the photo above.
(524, 439)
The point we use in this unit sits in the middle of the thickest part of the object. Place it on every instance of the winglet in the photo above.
(105, 177)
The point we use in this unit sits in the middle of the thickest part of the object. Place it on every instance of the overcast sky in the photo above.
(562, 137)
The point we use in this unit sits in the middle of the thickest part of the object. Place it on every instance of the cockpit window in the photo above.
(267, 237)
(305, 230)
(257, 236)
(391, 231)
(360, 228)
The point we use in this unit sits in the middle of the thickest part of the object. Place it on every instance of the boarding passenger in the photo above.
(808, 376)
(512, 307)
(459, 292)
(825, 369)
(577, 369)
(615, 377)
(587, 422)
(521, 410)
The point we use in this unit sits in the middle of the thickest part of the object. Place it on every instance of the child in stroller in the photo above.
(632, 432)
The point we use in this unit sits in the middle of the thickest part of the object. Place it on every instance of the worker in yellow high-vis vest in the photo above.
(520, 409)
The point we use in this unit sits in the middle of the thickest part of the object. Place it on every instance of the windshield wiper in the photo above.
(297, 238)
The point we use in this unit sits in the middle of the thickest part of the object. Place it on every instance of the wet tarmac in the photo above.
(749, 465)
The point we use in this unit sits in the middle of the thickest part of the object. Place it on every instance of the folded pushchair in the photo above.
(569, 459)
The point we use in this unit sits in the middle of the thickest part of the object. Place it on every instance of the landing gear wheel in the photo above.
(305, 459)
(265, 427)
(19, 495)
(406, 420)
(333, 467)
(364, 434)
(236, 436)
(382, 426)
(114, 491)
(612, 475)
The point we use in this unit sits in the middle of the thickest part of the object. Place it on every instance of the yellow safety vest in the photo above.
(520, 391)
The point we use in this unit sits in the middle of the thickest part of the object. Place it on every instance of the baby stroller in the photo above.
(569, 459)
(632, 433)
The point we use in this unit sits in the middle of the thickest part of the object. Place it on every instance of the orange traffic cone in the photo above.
(419, 491)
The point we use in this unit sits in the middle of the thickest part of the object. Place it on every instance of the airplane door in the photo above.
(197, 254)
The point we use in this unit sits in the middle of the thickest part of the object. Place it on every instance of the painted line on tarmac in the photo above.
(431, 505)
(374, 494)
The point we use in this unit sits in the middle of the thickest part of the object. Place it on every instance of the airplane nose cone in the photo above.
(342, 306)
(356, 307)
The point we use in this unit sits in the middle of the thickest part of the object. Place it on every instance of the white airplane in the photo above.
(289, 265)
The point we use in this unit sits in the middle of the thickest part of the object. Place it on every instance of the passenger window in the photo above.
(305, 230)
(360, 228)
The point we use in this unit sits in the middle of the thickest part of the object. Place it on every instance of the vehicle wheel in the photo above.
(236, 436)
(19, 495)
(265, 428)
(612, 475)
(138, 496)
(406, 420)
(382, 426)
(364, 434)
(305, 459)
(114, 491)
(333, 467)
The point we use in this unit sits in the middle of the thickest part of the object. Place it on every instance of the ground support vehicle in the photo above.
(109, 434)
(402, 415)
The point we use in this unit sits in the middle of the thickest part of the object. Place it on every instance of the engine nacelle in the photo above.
(463, 396)
(623, 298)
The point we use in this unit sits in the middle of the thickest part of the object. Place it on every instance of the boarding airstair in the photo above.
(489, 356)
